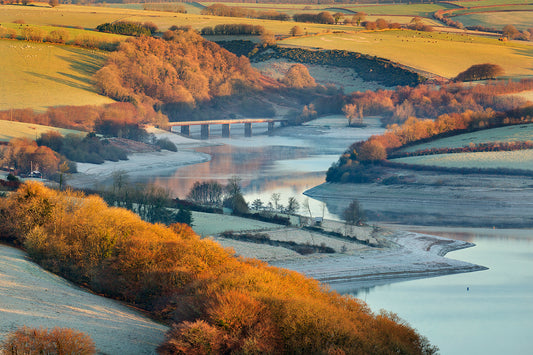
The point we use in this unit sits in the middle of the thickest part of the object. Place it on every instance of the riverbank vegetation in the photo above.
(456, 109)
(193, 283)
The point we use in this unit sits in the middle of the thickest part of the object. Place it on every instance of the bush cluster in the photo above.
(237, 11)
(48, 341)
(358, 163)
(128, 28)
(233, 29)
(82, 149)
(218, 303)
(323, 17)
(303, 249)
(117, 119)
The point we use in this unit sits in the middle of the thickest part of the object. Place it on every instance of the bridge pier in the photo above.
(225, 130)
(247, 129)
(271, 127)
(185, 131)
(204, 133)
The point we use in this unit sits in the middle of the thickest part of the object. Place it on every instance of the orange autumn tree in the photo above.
(180, 68)
(218, 303)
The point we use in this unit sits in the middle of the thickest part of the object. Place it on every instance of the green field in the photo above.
(40, 75)
(10, 130)
(488, 2)
(519, 159)
(520, 19)
(91, 16)
(386, 9)
(442, 54)
(519, 133)
(73, 33)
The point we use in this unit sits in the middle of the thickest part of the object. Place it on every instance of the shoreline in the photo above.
(142, 164)
(396, 255)
(412, 256)
(405, 256)
(484, 201)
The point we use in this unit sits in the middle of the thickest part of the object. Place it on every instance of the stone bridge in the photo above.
(204, 133)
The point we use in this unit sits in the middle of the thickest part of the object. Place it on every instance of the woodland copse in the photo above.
(218, 303)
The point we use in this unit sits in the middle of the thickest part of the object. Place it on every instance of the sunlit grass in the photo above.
(91, 16)
(10, 130)
(41, 75)
(443, 54)
(520, 19)
(487, 2)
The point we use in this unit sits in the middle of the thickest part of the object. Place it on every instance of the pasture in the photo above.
(518, 159)
(370, 9)
(443, 54)
(40, 75)
(517, 133)
(470, 3)
(522, 20)
(73, 33)
(10, 130)
(89, 17)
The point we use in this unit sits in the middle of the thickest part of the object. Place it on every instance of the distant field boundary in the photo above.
(463, 171)
(369, 68)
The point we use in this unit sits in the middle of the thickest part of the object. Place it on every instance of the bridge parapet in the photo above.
(204, 131)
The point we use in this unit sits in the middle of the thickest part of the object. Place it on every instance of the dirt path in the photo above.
(31, 296)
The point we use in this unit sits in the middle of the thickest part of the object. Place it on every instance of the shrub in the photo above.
(33, 34)
(60, 341)
(298, 77)
(166, 144)
(480, 72)
(7, 33)
(58, 36)
(218, 301)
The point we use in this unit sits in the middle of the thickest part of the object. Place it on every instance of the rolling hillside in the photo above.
(40, 75)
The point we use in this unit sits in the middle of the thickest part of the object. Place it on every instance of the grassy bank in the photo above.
(10, 130)
(443, 54)
(40, 75)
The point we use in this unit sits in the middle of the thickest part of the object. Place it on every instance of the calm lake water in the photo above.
(487, 312)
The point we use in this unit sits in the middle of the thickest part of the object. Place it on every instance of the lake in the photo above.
(485, 312)
(488, 312)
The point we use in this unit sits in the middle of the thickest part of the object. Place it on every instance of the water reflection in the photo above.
(291, 161)
(487, 312)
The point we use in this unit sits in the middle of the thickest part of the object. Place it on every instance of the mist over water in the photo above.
(289, 162)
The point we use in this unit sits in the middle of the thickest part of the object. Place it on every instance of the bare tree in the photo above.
(354, 214)
(293, 205)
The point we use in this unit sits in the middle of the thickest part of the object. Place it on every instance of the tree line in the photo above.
(128, 28)
(456, 109)
(58, 36)
(233, 29)
(193, 283)
(238, 11)
(396, 106)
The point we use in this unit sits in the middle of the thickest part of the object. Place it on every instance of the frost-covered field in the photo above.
(503, 134)
(520, 159)
(34, 297)
(208, 224)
